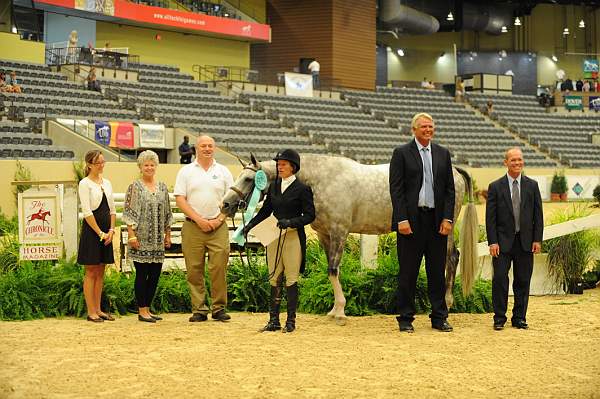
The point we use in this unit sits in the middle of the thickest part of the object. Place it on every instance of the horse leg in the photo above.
(452, 257)
(336, 250)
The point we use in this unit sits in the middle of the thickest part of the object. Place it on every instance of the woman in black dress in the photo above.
(291, 202)
(97, 230)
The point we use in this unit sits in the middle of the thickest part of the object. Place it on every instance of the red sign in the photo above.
(124, 134)
(181, 19)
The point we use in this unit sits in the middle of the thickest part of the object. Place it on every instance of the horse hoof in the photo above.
(341, 321)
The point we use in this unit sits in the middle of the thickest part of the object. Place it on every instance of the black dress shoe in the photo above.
(95, 319)
(498, 326)
(196, 317)
(106, 317)
(520, 324)
(146, 319)
(221, 315)
(443, 326)
(406, 327)
(157, 318)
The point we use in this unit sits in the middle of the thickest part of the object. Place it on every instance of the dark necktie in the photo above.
(516, 204)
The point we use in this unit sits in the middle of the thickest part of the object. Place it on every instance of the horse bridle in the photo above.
(244, 199)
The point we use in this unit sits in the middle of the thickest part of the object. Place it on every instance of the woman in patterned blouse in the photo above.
(148, 217)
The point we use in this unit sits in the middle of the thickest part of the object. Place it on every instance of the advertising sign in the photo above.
(39, 226)
(595, 103)
(590, 68)
(102, 133)
(574, 102)
(122, 132)
(298, 84)
(152, 136)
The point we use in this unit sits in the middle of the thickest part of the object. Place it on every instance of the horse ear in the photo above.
(253, 160)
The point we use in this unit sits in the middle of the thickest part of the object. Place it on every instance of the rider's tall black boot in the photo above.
(273, 324)
(292, 304)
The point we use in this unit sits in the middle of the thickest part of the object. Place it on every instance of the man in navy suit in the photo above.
(515, 226)
(422, 193)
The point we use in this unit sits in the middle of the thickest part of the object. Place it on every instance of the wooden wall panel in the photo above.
(339, 34)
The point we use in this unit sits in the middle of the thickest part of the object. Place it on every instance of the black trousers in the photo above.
(523, 268)
(425, 241)
(146, 281)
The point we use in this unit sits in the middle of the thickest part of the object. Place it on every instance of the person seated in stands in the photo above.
(425, 83)
(489, 107)
(13, 83)
(92, 83)
(3, 86)
(431, 85)
(585, 86)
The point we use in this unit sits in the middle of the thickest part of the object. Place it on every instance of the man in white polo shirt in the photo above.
(199, 189)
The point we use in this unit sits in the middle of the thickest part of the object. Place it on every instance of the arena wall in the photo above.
(13, 48)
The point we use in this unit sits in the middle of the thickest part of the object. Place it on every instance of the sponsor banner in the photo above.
(102, 132)
(573, 102)
(39, 225)
(298, 84)
(128, 10)
(595, 103)
(152, 136)
(122, 132)
(581, 186)
(543, 184)
(590, 68)
(106, 7)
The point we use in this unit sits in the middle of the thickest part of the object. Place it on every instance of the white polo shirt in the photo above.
(203, 189)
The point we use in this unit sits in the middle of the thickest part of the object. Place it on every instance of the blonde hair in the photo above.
(89, 158)
(145, 156)
(415, 118)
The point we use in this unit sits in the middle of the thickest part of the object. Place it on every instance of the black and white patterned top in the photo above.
(149, 214)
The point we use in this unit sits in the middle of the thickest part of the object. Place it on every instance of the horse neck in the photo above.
(270, 169)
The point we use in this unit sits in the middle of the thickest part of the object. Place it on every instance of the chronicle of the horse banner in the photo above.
(40, 234)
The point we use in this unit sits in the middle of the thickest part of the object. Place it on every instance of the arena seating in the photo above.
(471, 138)
(565, 135)
(342, 128)
(179, 101)
(17, 140)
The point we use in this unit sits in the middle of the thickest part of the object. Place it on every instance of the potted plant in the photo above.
(558, 187)
(596, 195)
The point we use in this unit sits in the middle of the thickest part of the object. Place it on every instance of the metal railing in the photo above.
(117, 59)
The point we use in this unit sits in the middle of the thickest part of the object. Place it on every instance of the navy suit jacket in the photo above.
(499, 216)
(406, 178)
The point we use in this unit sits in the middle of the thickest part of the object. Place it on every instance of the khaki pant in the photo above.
(288, 258)
(195, 245)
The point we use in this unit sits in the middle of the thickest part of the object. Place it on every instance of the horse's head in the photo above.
(239, 194)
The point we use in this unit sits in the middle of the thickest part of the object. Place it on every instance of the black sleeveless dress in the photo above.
(92, 251)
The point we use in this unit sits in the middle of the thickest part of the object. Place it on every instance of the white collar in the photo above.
(511, 179)
(421, 146)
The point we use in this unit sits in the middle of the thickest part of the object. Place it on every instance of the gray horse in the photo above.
(354, 198)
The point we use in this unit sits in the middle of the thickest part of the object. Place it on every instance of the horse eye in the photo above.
(248, 179)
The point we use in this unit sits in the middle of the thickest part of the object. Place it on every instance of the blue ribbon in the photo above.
(260, 183)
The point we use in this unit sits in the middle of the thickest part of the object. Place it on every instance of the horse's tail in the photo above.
(469, 237)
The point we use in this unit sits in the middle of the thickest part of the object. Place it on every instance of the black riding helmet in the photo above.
(289, 155)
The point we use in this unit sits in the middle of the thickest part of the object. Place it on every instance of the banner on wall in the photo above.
(590, 68)
(40, 235)
(581, 186)
(152, 136)
(573, 102)
(102, 132)
(121, 134)
(298, 84)
(106, 7)
(595, 103)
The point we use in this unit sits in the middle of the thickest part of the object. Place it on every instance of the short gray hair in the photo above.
(146, 156)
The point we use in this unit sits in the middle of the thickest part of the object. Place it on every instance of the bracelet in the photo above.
(111, 229)
(102, 235)
(132, 239)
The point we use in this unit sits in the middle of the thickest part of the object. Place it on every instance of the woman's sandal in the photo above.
(95, 319)
(106, 317)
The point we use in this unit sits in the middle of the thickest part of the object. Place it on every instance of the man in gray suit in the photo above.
(515, 225)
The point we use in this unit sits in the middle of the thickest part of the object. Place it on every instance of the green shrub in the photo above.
(596, 194)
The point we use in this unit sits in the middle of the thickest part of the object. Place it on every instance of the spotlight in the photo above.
(400, 52)
(504, 30)
(442, 54)
(554, 58)
(565, 31)
(450, 17)
(517, 21)
(582, 24)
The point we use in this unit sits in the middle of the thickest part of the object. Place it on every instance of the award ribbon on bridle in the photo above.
(260, 183)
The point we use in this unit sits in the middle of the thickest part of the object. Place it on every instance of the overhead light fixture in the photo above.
(504, 30)
(517, 21)
(473, 54)
(582, 24)
(565, 31)
(443, 53)
(14, 29)
(450, 17)
(400, 52)
(554, 58)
